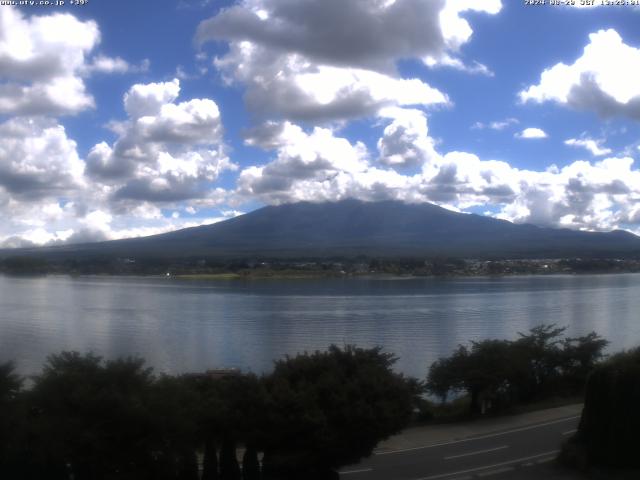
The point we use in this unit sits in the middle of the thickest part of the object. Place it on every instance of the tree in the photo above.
(92, 416)
(329, 409)
(610, 422)
(496, 373)
(539, 357)
(11, 421)
(231, 412)
(483, 372)
(580, 356)
(445, 376)
(173, 406)
(250, 464)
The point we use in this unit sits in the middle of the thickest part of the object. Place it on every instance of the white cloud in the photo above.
(496, 125)
(531, 133)
(456, 30)
(594, 146)
(370, 34)
(302, 158)
(104, 64)
(603, 79)
(405, 141)
(324, 60)
(476, 68)
(37, 159)
(109, 65)
(166, 151)
(148, 99)
(41, 60)
(289, 86)
(321, 166)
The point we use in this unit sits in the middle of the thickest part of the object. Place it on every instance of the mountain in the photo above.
(351, 227)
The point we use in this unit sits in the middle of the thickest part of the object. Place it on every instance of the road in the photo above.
(523, 452)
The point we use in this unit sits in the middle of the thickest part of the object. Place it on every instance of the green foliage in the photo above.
(88, 418)
(93, 416)
(11, 419)
(10, 383)
(24, 265)
(611, 419)
(499, 373)
(329, 409)
(482, 371)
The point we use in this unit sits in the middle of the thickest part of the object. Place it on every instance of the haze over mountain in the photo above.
(351, 227)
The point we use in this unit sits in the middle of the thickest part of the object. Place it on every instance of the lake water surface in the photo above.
(181, 326)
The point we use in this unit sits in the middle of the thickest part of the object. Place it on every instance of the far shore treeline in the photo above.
(334, 266)
(87, 418)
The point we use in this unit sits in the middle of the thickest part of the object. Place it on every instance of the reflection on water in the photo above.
(186, 326)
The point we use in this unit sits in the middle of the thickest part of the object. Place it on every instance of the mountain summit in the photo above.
(352, 227)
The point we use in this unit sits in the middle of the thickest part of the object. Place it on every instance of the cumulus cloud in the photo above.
(41, 60)
(531, 133)
(312, 158)
(97, 225)
(405, 141)
(369, 34)
(320, 165)
(594, 146)
(44, 60)
(165, 151)
(599, 196)
(456, 30)
(603, 79)
(37, 159)
(291, 87)
(167, 154)
(323, 60)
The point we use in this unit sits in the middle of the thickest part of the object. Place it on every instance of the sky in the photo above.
(121, 118)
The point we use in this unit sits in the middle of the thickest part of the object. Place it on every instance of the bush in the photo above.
(496, 374)
(611, 417)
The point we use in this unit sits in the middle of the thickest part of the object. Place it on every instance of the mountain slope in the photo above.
(352, 227)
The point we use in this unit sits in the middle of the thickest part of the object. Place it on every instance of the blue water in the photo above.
(181, 326)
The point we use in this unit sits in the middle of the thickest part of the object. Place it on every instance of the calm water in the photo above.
(188, 326)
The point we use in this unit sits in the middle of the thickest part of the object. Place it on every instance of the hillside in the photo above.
(350, 227)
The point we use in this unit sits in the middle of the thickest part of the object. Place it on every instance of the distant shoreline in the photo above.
(212, 269)
(233, 277)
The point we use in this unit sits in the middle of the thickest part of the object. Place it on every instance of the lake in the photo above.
(181, 326)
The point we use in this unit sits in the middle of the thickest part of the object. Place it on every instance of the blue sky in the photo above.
(124, 118)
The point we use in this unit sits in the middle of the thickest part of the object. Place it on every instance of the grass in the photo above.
(209, 276)
(458, 410)
(260, 275)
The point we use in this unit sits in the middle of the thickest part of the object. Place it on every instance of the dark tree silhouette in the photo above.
(483, 371)
(12, 423)
(610, 422)
(498, 373)
(329, 409)
(91, 418)
(210, 461)
(250, 464)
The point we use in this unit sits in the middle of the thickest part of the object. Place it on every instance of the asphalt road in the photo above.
(524, 452)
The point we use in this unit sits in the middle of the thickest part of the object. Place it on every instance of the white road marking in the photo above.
(570, 432)
(479, 452)
(471, 439)
(488, 467)
(496, 472)
(357, 471)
